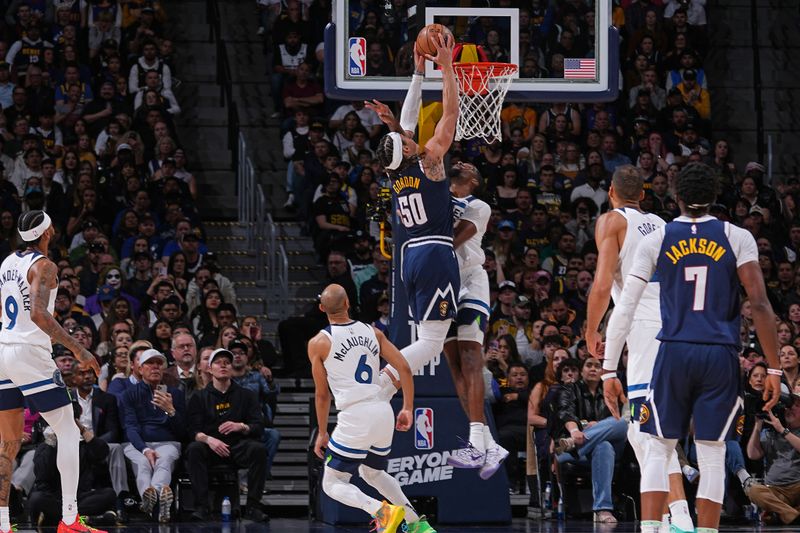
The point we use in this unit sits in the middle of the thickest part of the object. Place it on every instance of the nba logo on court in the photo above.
(358, 56)
(423, 433)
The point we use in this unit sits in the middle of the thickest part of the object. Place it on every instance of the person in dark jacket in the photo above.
(225, 426)
(94, 499)
(154, 418)
(595, 437)
(511, 417)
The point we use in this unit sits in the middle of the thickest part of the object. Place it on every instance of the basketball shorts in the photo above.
(28, 376)
(693, 380)
(473, 307)
(363, 434)
(429, 272)
(642, 351)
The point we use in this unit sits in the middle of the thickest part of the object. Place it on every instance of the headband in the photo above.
(34, 233)
(397, 151)
(698, 206)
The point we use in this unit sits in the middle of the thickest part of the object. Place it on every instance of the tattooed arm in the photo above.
(43, 277)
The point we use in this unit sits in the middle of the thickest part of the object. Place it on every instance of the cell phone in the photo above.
(494, 345)
(161, 388)
(162, 271)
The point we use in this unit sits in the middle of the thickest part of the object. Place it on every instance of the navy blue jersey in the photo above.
(423, 206)
(697, 269)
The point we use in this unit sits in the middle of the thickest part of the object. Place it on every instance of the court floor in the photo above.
(520, 525)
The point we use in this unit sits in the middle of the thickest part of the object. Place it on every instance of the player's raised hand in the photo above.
(89, 360)
(444, 51)
(613, 396)
(321, 443)
(403, 420)
(382, 110)
(772, 391)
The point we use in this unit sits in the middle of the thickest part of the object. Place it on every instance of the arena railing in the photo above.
(224, 78)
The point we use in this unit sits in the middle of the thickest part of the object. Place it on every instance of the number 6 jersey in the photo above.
(15, 294)
(353, 363)
(696, 262)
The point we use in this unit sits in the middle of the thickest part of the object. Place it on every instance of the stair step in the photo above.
(291, 458)
(294, 432)
(301, 420)
(292, 444)
(287, 485)
(295, 397)
(292, 408)
(296, 383)
(289, 471)
(285, 500)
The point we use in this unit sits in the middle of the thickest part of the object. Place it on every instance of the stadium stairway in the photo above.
(754, 58)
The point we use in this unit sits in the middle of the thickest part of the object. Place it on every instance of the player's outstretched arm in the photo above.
(764, 320)
(387, 117)
(608, 230)
(318, 349)
(393, 356)
(442, 138)
(43, 278)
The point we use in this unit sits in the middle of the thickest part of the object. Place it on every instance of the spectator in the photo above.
(224, 426)
(147, 62)
(511, 418)
(154, 418)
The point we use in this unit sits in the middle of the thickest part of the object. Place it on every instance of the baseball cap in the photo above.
(507, 284)
(123, 146)
(748, 351)
(506, 224)
(237, 344)
(152, 353)
(219, 352)
(190, 236)
(96, 247)
(169, 161)
(752, 165)
(642, 118)
(756, 210)
(542, 274)
(522, 301)
(317, 125)
(361, 235)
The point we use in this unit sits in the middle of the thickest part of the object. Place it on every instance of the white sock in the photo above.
(650, 526)
(63, 423)
(389, 487)
(337, 485)
(488, 440)
(706, 530)
(476, 436)
(681, 518)
(743, 475)
(665, 527)
(5, 519)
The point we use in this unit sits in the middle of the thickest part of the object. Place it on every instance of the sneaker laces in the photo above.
(82, 520)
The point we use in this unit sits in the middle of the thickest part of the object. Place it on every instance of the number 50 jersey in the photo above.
(696, 261)
(15, 295)
(423, 206)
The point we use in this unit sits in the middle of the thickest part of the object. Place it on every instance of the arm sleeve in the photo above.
(743, 245)
(620, 324)
(409, 116)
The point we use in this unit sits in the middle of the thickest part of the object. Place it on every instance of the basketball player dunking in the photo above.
(699, 262)
(428, 265)
(345, 356)
(618, 233)
(28, 284)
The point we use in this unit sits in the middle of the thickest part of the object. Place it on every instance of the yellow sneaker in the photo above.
(388, 518)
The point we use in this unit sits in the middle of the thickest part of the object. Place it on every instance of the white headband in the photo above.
(397, 151)
(34, 233)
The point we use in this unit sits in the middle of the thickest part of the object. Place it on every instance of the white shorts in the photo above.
(28, 376)
(473, 307)
(642, 352)
(363, 429)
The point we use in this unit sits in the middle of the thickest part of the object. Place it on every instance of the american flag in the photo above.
(579, 69)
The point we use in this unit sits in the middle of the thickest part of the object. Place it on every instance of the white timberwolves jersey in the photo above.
(639, 225)
(15, 297)
(353, 364)
(470, 254)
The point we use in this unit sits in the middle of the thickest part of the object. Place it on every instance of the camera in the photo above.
(754, 403)
(381, 209)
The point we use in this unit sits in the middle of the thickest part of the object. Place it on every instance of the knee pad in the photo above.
(639, 441)
(331, 478)
(654, 469)
(711, 461)
(674, 466)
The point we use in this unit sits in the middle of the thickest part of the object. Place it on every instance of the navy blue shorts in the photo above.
(699, 381)
(429, 273)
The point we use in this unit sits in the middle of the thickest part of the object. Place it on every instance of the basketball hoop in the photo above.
(482, 87)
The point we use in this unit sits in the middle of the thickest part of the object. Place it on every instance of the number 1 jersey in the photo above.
(15, 293)
(423, 206)
(695, 261)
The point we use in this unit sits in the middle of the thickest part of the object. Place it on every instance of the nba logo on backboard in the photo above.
(358, 56)
(423, 421)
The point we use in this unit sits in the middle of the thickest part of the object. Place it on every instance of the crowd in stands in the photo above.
(547, 183)
(87, 133)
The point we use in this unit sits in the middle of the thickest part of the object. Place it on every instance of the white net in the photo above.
(482, 88)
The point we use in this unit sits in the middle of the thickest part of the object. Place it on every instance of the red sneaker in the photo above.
(78, 526)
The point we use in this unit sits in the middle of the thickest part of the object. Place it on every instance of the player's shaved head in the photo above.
(334, 299)
(628, 183)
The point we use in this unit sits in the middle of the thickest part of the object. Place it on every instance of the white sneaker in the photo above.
(494, 458)
(261, 30)
(289, 201)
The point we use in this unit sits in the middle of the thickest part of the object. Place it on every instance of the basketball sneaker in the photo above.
(78, 526)
(494, 458)
(467, 457)
(386, 519)
(420, 526)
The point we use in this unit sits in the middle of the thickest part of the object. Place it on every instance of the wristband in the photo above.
(573, 431)
(775, 372)
(785, 432)
(610, 375)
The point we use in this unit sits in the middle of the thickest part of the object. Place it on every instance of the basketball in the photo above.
(426, 36)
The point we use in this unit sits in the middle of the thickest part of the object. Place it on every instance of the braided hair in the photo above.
(696, 186)
(28, 221)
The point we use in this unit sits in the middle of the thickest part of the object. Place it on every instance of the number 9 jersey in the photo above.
(15, 294)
